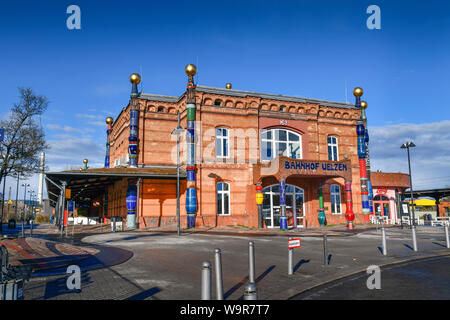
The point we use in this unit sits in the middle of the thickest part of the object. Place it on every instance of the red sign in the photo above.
(382, 191)
(294, 243)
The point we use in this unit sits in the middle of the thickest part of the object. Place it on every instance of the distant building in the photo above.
(388, 189)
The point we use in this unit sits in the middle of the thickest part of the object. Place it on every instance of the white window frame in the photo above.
(333, 145)
(333, 195)
(221, 140)
(273, 142)
(222, 193)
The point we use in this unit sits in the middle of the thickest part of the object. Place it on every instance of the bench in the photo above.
(440, 221)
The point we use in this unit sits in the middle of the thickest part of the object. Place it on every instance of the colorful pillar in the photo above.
(283, 218)
(349, 203)
(191, 191)
(109, 122)
(131, 205)
(321, 217)
(259, 202)
(360, 131)
(366, 140)
(135, 79)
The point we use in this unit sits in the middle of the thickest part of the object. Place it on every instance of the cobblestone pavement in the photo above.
(165, 266)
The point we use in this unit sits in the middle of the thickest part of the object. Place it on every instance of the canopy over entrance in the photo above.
(87, 184)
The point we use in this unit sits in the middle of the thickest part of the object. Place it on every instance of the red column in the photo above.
(349, 211)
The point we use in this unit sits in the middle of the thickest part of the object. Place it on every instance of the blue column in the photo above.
(283, 218)
(131, 206)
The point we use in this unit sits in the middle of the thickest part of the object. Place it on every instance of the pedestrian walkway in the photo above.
(165, 266)
(47, 257)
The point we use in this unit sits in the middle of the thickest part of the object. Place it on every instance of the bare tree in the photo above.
(24, 137)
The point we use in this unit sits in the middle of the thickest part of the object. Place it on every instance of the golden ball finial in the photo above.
(135, 78)
(85, 161)
(109, 120)
(190, 69)
(358, 92)
(228, 85)
(364, 105)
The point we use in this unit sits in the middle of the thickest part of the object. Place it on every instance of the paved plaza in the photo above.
(165, 266)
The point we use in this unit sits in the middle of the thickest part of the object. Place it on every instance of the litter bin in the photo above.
(11, 224)
(116, 223)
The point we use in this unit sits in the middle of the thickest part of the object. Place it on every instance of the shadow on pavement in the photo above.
(144, 294)
(298, 265)
(245, 280)
(58, 286)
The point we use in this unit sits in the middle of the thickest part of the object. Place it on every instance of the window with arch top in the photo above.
(333, 152)
(275, 140)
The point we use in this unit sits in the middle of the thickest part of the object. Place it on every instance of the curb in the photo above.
(362, 271)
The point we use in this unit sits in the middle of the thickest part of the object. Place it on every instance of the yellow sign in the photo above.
(10, 202)
(68, 193)
(37, 209)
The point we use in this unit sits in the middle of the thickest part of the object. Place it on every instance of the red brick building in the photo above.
(237, 130)
(243, 138)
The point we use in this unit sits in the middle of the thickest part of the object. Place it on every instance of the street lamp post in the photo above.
(23, 217)
(407, 145)
(178, 131)
(29, 203)
(17, 195)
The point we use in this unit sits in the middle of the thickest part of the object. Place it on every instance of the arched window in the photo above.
(275, 140)
(335, 194)
(222, 137)
(223, 198)
(218, 102)
(333, 153)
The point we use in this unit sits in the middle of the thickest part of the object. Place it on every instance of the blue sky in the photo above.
(312, 49)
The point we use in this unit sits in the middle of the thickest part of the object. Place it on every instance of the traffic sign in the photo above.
(294, 243)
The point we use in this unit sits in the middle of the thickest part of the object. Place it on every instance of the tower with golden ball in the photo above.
(109, 122)
(191, 191)
(131, 197)
(135, 79)
(360, 131)
(366, 140)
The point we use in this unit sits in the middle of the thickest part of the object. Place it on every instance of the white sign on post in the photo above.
(294, 243)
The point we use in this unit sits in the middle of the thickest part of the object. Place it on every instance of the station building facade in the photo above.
(243, 139)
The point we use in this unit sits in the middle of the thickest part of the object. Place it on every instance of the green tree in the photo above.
(24, 138)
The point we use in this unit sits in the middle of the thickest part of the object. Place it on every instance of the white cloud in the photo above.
(430, 160)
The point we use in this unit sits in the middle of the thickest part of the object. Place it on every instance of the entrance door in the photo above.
(271, 205)
(381, 206)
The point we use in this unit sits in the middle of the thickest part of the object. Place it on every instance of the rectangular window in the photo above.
(222, 143)
(223, 198)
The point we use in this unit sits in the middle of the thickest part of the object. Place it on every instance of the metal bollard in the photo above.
(413, 228)
(290, 262)
(206, 280)
(218, 269)
(251, 262)
(325, 250)
(447, 238)
(250, 291)
(383, 240)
